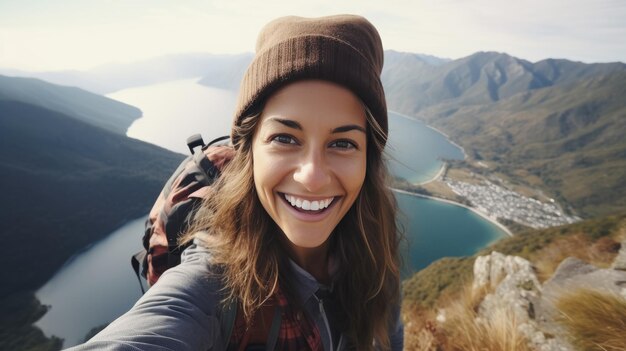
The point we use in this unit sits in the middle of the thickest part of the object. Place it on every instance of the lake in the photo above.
(82, 299)
(94, 287)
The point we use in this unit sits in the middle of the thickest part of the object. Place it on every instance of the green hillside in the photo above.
(79, 104)
(66, 184)
(555, 125)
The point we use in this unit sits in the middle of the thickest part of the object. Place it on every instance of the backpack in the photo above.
(170, 217)
(175, 206)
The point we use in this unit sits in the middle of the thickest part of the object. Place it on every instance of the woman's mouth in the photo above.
(308, 206)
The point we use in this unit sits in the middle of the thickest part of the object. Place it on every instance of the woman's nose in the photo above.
(313, 173)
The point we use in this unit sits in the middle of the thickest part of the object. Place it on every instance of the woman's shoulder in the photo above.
(195, 277)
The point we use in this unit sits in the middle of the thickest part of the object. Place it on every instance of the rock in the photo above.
(516, 291)
(513, 280)
(573, 273)
(569, 268)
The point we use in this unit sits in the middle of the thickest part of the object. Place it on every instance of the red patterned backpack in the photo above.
(173, 209)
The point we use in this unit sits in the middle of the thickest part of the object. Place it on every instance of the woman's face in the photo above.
(309, 152)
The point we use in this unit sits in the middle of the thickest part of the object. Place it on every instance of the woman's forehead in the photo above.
(311, 102)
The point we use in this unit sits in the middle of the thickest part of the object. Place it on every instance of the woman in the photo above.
(301, 217)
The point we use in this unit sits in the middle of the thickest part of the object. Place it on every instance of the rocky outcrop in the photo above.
(573, 273)
(516, 291)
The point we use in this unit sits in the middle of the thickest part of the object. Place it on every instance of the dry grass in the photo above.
(594, 320)
(496, 332)
(462, 331)
(419, 328)
(599, 253)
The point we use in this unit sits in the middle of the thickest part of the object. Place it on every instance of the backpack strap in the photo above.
(207, 166)
(194, 141)
(227, 319)
(136, 261)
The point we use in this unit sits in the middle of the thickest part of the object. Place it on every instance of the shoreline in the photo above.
(440, 172)
(435, 129)
(495, 222)
(436, 176)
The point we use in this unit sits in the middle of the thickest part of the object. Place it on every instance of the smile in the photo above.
(308, 205)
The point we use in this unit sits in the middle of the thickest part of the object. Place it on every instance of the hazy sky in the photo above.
(80, 34)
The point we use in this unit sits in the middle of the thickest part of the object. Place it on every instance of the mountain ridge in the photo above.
(77, 103)
(108, 78)
(69, 184)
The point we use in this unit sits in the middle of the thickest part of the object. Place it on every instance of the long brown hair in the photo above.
(233, 224)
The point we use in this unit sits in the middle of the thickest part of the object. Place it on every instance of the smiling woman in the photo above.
(310, 148)
(299, 236)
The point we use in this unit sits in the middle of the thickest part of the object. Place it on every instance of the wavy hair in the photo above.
(233, 224)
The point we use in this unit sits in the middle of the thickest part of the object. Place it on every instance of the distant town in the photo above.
(498, 202)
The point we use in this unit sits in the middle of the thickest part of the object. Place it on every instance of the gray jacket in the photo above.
(181, 312)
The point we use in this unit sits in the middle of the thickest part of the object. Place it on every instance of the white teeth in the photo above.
(308, 205)
(315, 205)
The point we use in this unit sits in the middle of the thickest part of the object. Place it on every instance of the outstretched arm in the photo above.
(177, 313)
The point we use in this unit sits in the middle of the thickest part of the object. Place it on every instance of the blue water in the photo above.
(416, 150)
(94, 288)
(436, 229)
(99, 285)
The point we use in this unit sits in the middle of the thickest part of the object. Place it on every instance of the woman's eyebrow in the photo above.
(295, 125)
(286, 122)
(348, 128)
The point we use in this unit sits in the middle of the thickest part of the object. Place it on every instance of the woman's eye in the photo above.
(284, 139)
(343, 144)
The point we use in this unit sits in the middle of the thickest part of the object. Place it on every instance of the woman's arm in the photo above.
(177, 313)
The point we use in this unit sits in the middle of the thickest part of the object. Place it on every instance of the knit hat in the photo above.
(344, 49)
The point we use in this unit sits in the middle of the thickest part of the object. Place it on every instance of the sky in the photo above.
(44, 35)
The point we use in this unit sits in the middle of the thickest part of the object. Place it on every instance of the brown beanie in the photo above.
(344, 49)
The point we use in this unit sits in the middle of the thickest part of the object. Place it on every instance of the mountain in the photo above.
(116, 76)
(79, 104)
(66, 184)
(555, 124)
(481, 78)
